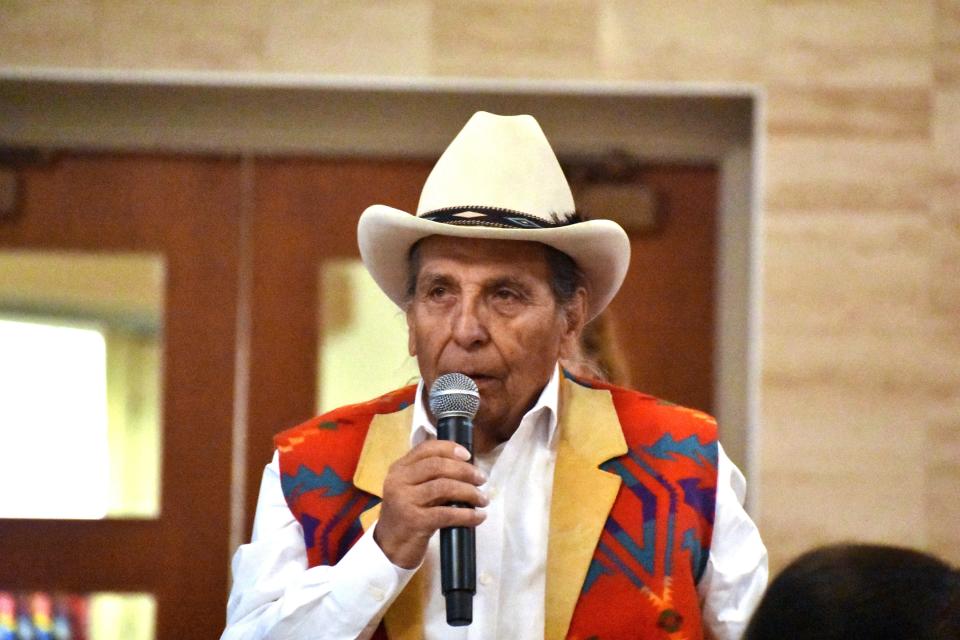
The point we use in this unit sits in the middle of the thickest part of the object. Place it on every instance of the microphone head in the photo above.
(454, 394)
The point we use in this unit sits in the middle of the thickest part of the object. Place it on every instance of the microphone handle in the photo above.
(458, 545)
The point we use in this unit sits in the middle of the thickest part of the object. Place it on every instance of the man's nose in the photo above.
(469, 323)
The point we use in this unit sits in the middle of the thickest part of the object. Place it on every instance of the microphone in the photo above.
(454, 400)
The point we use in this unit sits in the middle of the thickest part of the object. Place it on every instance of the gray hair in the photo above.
(565, 276)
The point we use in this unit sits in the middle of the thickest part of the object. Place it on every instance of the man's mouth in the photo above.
(480, 378)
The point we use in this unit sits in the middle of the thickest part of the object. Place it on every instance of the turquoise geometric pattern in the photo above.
(620, 552)
(671, 511)
(306, 480)
(595, 571)
(698, 559)
(666, 448)
(644, 556)
(320, 532)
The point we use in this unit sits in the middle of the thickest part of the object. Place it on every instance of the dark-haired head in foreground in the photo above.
(861, 591)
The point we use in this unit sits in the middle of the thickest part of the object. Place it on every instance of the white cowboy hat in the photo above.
(499, 179)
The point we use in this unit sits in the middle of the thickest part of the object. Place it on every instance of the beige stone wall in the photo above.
(861, 300)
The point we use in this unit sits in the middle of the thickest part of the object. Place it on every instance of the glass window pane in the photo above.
(363, 338)
(80, 338)
(53, 421)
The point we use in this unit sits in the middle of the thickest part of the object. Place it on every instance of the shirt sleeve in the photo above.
(275, 595)
(736, 572)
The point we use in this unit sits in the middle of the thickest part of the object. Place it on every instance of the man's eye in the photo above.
(437, 292)
(506, 294)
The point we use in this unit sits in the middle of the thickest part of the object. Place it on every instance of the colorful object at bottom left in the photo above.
(42, 616)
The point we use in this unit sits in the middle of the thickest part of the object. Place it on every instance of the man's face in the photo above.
(485, 308)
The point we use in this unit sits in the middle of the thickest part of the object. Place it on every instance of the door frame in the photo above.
(301, 114)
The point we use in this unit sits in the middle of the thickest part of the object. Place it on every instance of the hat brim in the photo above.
(600, 248)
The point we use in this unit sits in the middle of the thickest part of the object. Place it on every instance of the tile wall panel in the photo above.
(840, 468)
(380, 37)
(893, 113)
(945, 272)
(846, 302)
(850, 44)
(945, 211)
(948, 43)
(182, 34)
(943, 468)
(709, 40)
(515, 38)
(49, 33)
(855, 269)
(828, 173)
(943, 480)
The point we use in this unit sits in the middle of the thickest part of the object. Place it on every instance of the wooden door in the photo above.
(186, 210)
(664, 313)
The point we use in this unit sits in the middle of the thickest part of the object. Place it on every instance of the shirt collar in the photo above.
(422, 429)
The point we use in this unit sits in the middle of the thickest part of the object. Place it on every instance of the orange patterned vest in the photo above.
(653, 547)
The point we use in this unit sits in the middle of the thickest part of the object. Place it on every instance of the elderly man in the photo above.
(599, 511)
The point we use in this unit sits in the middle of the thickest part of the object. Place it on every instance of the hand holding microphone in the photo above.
(421, 488)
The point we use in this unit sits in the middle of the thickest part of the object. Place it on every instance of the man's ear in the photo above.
(575, 318)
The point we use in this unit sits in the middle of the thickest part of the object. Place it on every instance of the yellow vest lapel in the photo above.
(387, 440)
(589, 435)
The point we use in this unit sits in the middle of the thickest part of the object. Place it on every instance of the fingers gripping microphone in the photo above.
(454, 400)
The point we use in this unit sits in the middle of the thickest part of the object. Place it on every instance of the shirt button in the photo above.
(377, 594)
(485, 578)
(492, 492)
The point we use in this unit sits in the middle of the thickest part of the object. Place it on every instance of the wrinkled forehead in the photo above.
(509, 257)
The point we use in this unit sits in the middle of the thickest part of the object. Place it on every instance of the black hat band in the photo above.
(494, 217)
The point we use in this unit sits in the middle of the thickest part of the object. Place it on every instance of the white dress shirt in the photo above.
(276, 596)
